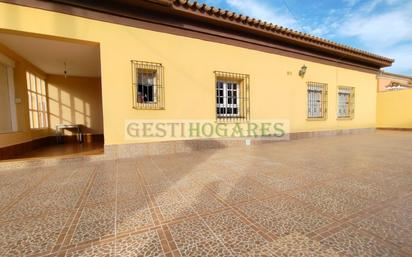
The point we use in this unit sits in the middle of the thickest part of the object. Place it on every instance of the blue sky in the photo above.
(380, 26)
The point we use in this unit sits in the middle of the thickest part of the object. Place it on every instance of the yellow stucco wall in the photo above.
(189, 79)
(24, 133)
(394, 109)
(75, 100)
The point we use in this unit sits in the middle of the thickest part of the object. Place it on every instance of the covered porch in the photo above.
(49, 87)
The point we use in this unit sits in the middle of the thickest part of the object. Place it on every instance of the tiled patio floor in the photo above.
(339, 196)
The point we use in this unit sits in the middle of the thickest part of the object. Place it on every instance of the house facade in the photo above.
(177, 60)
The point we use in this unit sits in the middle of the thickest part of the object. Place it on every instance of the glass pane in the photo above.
(38, 85)
(44, 103)
(37, 99)
(35, 119)
(32, 83)
(150, 93)
(43, 87)
(41, 120)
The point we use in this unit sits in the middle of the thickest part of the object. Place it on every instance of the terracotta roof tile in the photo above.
(256, 24)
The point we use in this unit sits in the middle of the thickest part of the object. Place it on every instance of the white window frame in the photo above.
(9, 63)
(34, 92)
(226, 105)
(348, 102)
(317, 101)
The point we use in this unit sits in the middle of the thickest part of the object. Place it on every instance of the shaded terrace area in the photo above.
(348, 196)
(54, 82)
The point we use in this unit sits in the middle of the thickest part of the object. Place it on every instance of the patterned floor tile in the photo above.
(36, 205)
(102, 250)
(101, 193)
(352, 242)
(389, 232)
(145, 244)
(168, 197)
(296, 244)
(190, 232)
(399, 216)
(225, 221)
(176, 211)
(132, 215)
(10, 193)
(30, 236)
(242, 242)
(363, 188)
(212, 248)
(285, 184)
(95, 222)
(283, 216)
(130, 192)
(204, 203)
(332, 201)
(162, 186)
(307, 191)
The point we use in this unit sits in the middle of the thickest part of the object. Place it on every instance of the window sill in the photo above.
(149, 108)
(345, 118)
(231, 119)
(316, 119)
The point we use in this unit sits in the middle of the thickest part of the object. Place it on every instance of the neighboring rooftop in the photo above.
(391, 81)
(394, 75)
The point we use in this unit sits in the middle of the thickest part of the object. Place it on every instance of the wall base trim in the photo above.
(397, 129)
(123, 151)
(112, 152)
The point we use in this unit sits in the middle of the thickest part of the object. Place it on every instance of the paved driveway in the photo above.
(338, 196)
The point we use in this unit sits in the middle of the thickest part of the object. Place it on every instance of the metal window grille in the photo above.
(148, 85)
(232, 97)
(346, 102)
(317, 100)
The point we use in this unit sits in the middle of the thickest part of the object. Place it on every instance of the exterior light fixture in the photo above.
(302, 71)
(65, 70)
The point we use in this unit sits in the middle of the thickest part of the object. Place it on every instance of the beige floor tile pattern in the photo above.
(337, 196)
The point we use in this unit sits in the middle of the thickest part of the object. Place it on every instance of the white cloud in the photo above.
(351, 3)
(384, 30)
(380, 26)
(403, 59)
(371, 5)
(259, 10)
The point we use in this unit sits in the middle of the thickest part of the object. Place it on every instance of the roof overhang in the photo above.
(192, 16)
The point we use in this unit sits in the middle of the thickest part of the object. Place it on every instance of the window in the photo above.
(36, 89)
(346, 102)
(8, 122)
(317, 100)
(148, 90)
(232, 96)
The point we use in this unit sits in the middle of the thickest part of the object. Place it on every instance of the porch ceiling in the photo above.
(50, 54)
